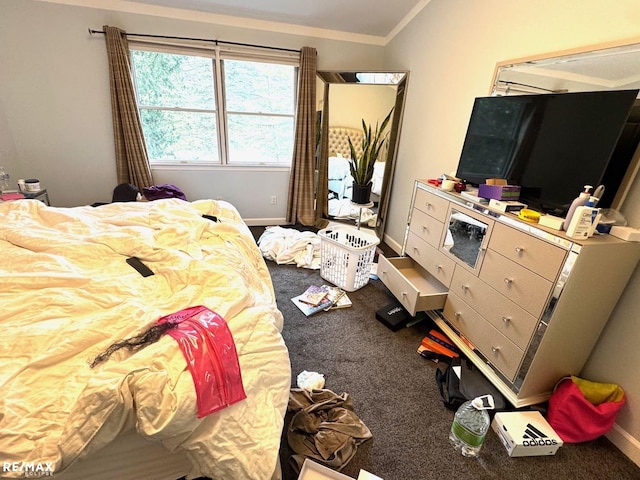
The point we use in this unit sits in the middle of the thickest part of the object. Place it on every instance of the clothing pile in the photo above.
(345, 209)
(324, 427)
(290, 246)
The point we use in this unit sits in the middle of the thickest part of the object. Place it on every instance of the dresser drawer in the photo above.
(542, 257)
(434, 261)
(426, 227)
(495, 347)
(431, 204)
(507, 317)
(413, 286)
(515, 282)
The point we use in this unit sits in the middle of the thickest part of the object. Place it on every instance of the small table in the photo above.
(360, 206)
(41, 195)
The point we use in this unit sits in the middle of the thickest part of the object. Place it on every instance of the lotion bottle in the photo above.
(584, 220)
(595, 214)
(579, 201)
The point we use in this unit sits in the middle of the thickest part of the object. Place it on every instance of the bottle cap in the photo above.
(485, 402)
(592, 201)
(586, 193)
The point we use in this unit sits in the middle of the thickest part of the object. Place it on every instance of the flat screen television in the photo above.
(550, 144)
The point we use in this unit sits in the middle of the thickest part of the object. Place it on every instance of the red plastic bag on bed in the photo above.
(581, 410)
(208, 347)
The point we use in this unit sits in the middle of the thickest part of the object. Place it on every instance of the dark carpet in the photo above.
(395, 395)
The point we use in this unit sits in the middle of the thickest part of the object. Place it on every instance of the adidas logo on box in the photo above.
(525, 434)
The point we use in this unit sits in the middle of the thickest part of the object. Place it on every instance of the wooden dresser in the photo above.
(525, 303)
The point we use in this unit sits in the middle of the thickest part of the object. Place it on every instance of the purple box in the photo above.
(499, 192)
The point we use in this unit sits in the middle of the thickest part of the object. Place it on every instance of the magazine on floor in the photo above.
(330, 297)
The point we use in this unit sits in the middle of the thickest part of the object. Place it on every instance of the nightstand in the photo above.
(41, 195)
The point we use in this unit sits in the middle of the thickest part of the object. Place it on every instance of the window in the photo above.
(215, 108)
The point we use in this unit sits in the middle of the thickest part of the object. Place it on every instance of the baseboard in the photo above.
(264, 222)
(395, 246)
(625, 442)
(267, 222)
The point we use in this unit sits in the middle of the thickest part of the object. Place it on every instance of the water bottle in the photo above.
(4, 180)
(470, 425)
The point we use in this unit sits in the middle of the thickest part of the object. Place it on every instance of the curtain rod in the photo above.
(216, 42)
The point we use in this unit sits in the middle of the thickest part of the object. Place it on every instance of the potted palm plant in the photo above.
(362, 163)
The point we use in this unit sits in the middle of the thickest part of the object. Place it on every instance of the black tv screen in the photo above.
(549, 144)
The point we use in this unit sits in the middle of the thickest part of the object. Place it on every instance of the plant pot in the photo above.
(361, 194)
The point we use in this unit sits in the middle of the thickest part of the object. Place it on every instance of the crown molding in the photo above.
(228, 20)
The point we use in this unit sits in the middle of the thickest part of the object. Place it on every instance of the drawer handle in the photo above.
(457, 314)
(404, 294)
(428, 205)
(508, 281)
(495, 349)
(415, 250)
(439, 267)
(465, 288)
(519, 250)
(506, 319)
(425, 229)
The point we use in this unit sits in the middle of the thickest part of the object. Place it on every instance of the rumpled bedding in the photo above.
(67, 294)
(345, 209)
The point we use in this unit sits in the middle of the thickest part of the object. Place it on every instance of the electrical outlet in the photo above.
(274, 200)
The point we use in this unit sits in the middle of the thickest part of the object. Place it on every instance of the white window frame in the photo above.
(219, 53)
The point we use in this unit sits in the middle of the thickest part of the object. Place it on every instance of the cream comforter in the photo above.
(67, 294)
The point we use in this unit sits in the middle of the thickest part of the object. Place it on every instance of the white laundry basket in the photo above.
(346, 256)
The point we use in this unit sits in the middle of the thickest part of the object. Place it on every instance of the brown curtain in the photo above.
(132, 162)
(300, 207)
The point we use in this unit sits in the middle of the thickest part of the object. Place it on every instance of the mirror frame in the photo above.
(588, 52)
(342, 77)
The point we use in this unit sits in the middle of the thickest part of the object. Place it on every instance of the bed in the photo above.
(68, 294)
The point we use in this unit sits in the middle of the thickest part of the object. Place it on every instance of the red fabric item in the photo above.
(208, 347)
(574, 418)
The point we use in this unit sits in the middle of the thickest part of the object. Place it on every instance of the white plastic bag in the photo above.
(310, 381)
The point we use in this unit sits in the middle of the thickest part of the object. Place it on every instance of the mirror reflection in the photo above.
(346, 99)
(464, 237)
(612, 68)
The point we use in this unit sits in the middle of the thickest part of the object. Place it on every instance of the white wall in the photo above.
(55, 110)
(351, 103)
(451, 49)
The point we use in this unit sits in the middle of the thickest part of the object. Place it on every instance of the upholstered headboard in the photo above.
(338, 143)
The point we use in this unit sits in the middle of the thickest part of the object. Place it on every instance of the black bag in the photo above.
(449, 385)
(471, 384)
(125, 192)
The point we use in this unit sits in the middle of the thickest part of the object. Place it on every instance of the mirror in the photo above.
(603, 67)
(615, 67)
(465, 237)
(345, 99)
